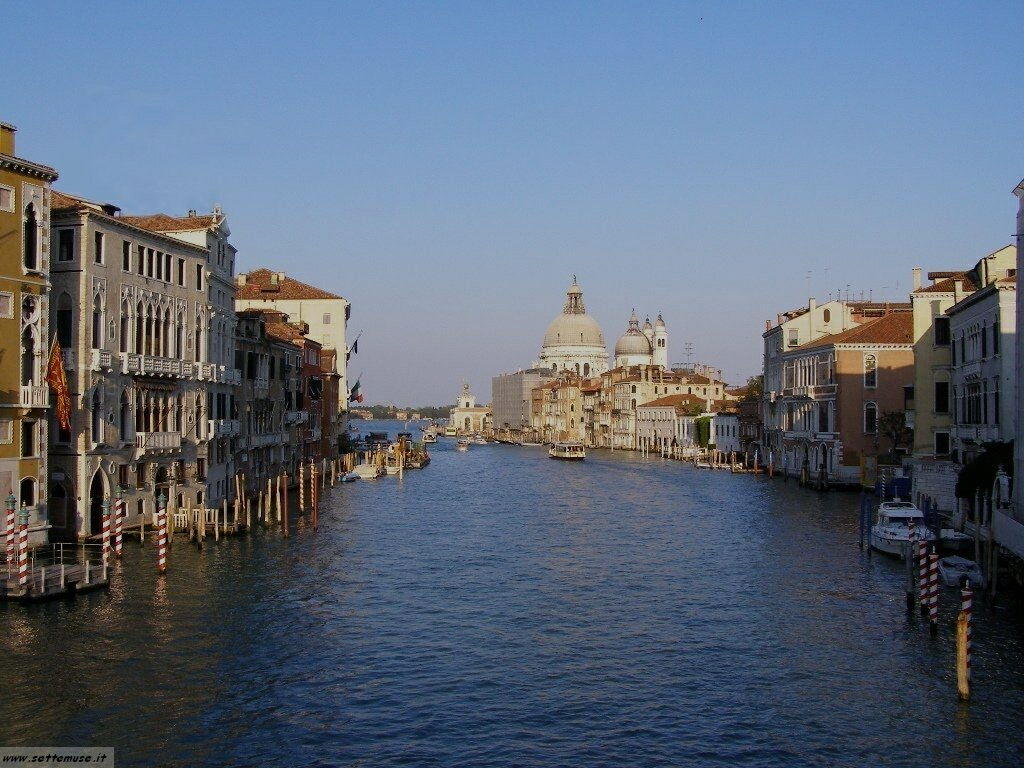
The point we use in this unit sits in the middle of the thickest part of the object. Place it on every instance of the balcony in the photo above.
(296, 417)
(267, 439)
(260, 388)
(156, 442)
(101, 359)
(218, 374)
(822, 390)
(146, 365)
(35, 396)
(223, 428)
(971, 370)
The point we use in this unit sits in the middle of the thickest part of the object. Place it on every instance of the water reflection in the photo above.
(500, 608)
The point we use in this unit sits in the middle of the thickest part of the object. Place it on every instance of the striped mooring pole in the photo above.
(12, 531)
(963, 642)
(933, 592)
(23, 548)
(161, 521)
(119, 515)
(106, 532)
(302, 490)
(922, 565)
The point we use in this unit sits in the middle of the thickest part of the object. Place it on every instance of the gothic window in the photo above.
(28, 356)
(126, 325)
(64, 320)
(179, 338)
(27, 491)
(31, 238)
(96, 409)
(97, 323)
(125, 414)
(870, 418)
(140, 329)
(870, 371)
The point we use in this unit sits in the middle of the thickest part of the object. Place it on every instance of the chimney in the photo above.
(917, 277)
(812, 304)
(192, 213)
(241, 279)
(7, 138)
(958, 289)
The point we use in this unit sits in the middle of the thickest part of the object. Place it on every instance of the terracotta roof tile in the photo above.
(61, 202)
(161, 222)
(944, 282)
(893, 328)
(259, 285)
(675, 400)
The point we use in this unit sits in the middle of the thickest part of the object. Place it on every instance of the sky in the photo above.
(447, 167)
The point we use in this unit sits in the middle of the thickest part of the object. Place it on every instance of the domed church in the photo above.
(646, 346)
(574, 341)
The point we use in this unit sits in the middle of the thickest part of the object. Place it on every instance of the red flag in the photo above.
(58, 382)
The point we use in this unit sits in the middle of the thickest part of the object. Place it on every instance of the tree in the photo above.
(755, 388)
(893, 427)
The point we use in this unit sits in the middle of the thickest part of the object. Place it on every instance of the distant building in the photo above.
(325, 314)
(665, 425)
(510, 397)
(642, 346)
(834, 392)
(983, 368)
(467, 417)
(573, 341)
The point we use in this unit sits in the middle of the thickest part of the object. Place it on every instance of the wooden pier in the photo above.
(55, 570)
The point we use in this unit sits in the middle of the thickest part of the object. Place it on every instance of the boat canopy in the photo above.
(900, 509)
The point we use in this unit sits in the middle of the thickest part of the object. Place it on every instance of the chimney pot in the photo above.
(917, 277)
(7, 138)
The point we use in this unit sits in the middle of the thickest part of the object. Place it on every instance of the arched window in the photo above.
(140, 329)
(199, 335)
(126, 326)
(97, 323)
(27, 492)
(64, 320)
(31, 238)
(179, 338)
(826, 315)
(125, 419)
(586, 369)
(870, 371)
(870, 418)
(166, 335)
(577, 369)
(96, 408)
(28, 356)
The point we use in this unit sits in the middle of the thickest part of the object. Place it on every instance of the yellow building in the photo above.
(24, 331)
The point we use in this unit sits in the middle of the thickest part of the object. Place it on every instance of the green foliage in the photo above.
(980, 473)
(893, 427)
(702, 430)
(755, 388)
(427, 411)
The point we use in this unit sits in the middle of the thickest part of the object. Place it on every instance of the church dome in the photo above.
(633, 341)
(574, 327)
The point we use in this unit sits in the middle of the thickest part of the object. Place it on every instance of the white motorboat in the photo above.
(463, 444)
(891, 530)
(479, 440)
(368, 471)
(350, 477)
(572, 451)
(429, 435)
(450, 432)
(954, 569)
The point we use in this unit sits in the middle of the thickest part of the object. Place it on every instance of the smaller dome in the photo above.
(647, 324)
(633, 342)
(660, 322)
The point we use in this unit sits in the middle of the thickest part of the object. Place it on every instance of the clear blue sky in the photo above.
(447, 167)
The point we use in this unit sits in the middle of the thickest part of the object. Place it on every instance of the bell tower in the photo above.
(660, 342)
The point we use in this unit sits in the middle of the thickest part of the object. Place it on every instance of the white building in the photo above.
(574, 341)
(642, 346)
(983, 367)
(666, 425)
(725, 432)
(326, 314)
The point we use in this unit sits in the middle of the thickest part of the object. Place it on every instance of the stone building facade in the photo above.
(25, 256)
(131, 311)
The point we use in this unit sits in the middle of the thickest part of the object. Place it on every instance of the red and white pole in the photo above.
(922, 565)
(106, 532)
(933, 592)
(12, 533)
(23, 548)
(161, 519)
(966, 605)
(119, 515)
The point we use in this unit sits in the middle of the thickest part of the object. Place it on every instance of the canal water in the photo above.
(499, 608)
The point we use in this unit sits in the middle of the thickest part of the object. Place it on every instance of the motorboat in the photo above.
(429, 435)
(572, 451)
(463, 444)
(891, 530)
(350, 477)
(479, 440)
(954, 569)
(451, 432)
(369, 471)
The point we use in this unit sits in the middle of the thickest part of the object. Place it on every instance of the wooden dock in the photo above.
(55, 570)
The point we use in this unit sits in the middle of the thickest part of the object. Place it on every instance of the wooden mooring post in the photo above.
(283, 485)
(963, 643)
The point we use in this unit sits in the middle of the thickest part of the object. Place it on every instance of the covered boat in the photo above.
(891, 531)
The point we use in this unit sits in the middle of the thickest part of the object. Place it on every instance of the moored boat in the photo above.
(350, 477)
(429, 435)
(369, 471)
(463, 444)
(891, 531)
(568, 450)
(954, 569)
